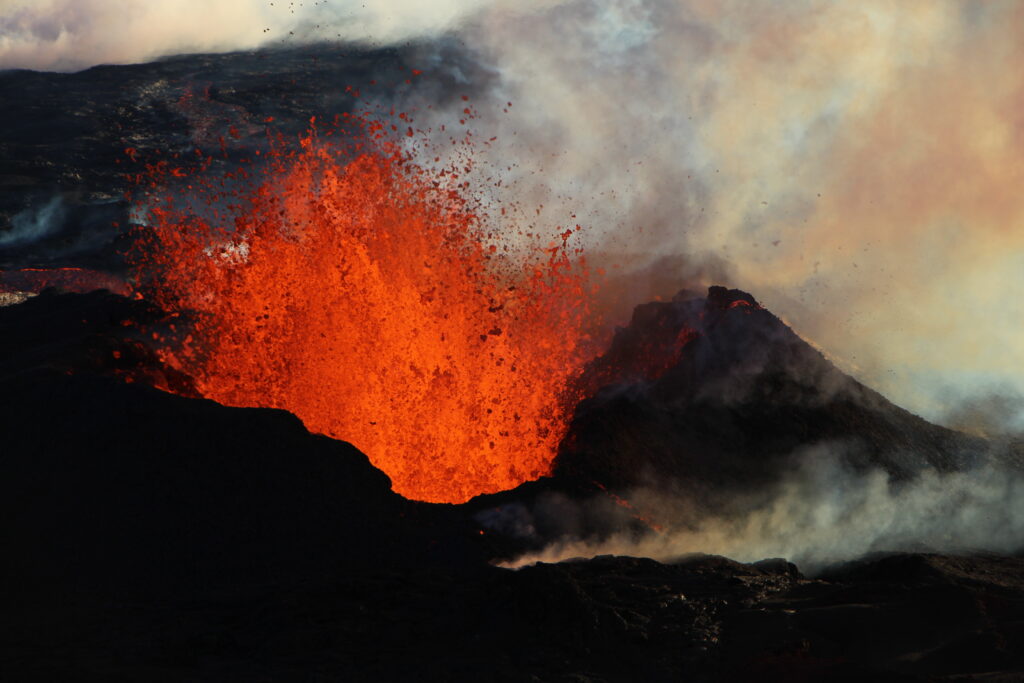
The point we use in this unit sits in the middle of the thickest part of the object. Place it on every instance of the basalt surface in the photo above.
(155, 536)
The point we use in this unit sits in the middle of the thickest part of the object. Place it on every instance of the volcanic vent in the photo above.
(374, 298)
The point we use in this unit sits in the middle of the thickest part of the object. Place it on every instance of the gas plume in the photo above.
(34, 223)
(68, 35)
(855, 164)
(822, 513)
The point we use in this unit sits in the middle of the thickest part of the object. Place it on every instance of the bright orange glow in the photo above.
(364, 294)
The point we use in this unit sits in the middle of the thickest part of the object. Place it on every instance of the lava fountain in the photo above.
(372, 296)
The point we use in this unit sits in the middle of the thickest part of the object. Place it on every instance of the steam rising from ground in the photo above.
(857, 165)
(34, 223)
(825, 513)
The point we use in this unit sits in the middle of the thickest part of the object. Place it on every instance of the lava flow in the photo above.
(373, 298)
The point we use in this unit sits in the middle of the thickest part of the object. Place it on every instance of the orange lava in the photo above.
(370, 296)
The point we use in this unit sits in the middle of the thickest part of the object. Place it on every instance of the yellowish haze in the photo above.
(856, 165)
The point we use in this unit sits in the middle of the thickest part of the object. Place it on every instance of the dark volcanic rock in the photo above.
(156, 537)
(717, 391)
(710, 407)
(702, 618)
(69, 143)
(114, 488)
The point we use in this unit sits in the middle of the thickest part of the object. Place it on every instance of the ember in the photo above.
(372, 297)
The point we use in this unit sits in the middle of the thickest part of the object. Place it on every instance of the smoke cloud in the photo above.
(824, 513)
(856, 165)
(34, 223)
(68, 35)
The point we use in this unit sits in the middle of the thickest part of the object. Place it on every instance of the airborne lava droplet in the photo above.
(362, 292)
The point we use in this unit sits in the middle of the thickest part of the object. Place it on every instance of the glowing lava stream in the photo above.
(361, 292)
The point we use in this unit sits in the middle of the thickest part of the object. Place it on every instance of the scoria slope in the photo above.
(716, 389)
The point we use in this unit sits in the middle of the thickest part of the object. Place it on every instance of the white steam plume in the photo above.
(68, 35)
(825, 513)
(34, 223)
(857, 165)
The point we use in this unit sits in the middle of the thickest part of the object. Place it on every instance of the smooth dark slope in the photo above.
(706, 403)
(717, 391)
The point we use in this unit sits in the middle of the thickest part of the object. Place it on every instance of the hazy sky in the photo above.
(73, 34)
(857, 165)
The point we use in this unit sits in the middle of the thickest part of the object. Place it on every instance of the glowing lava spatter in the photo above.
(365, 294)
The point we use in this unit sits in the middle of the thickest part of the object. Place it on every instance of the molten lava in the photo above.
(365, 294)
